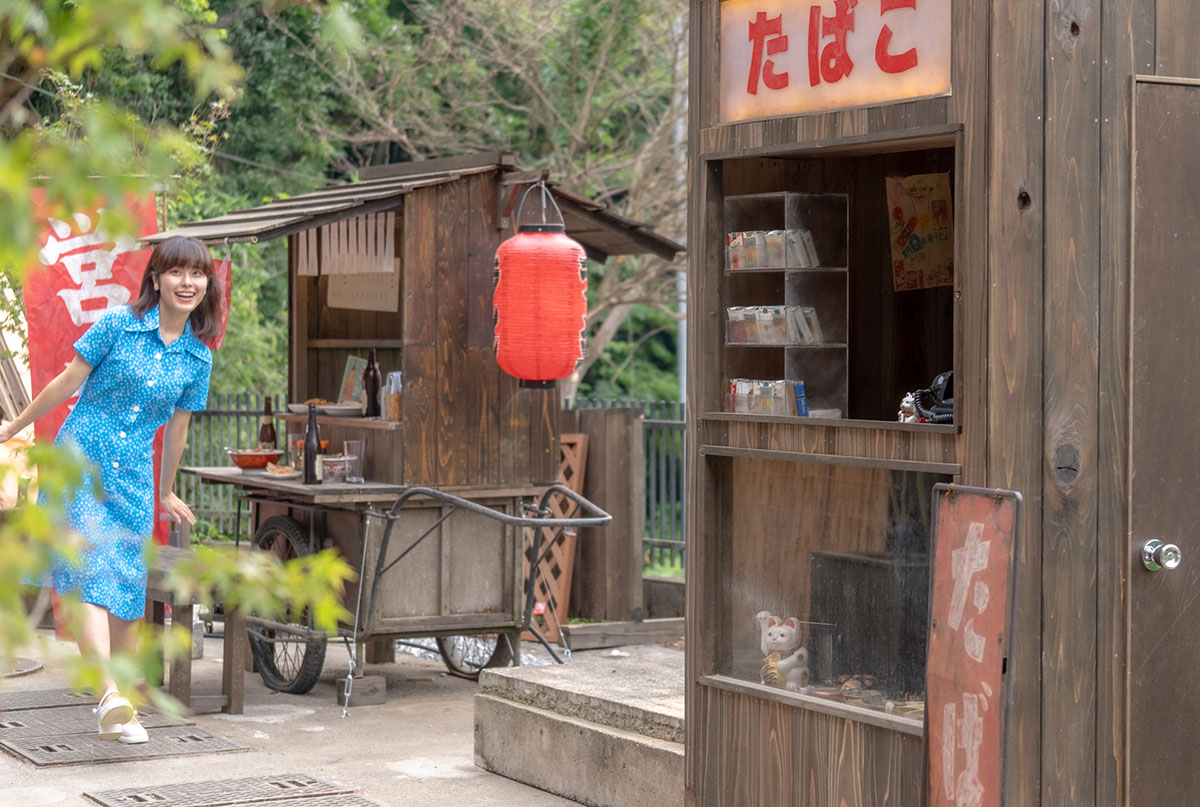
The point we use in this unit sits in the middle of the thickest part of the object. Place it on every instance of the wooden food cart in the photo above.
(402, 262)
(1048, 147)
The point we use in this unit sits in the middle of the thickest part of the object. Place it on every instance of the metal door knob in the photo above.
(1157, 555)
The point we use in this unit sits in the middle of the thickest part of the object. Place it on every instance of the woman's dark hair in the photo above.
(183, 253)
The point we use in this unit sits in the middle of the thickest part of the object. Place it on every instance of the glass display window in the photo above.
(829, 581)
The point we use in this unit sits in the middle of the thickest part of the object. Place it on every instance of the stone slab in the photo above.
(595, 765)
(639, 690)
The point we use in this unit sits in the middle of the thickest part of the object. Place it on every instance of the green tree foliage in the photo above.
(593, 91)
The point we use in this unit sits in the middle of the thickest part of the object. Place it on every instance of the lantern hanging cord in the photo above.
(546, 194)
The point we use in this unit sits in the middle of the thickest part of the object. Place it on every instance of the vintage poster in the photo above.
(921, 228)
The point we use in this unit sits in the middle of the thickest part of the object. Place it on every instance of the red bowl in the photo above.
(254, 457)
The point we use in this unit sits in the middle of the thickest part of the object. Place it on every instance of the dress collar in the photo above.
(186, 341)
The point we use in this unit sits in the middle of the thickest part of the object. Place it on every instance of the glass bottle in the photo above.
(266, 429)
(312, 447)
(371, 385)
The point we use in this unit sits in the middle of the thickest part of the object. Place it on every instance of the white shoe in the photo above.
(111, 713)
(133, 733)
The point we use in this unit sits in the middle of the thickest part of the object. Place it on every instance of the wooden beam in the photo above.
(614, 634)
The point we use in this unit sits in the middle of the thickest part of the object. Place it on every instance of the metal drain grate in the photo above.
(68, 720)
(254, 790)
(42, 699)
(81, 749)
(12, 666)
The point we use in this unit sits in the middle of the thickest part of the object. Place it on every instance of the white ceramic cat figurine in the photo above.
(782, 636)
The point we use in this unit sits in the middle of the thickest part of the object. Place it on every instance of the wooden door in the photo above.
(1164, 647)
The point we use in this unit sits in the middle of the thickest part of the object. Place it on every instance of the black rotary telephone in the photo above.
(936, 404)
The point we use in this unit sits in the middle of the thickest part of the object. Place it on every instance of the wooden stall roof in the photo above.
(600, 231)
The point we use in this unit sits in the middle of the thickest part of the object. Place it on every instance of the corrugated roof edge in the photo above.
(378, 189)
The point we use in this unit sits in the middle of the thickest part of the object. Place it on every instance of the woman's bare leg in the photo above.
(122, 635)
(95, 637)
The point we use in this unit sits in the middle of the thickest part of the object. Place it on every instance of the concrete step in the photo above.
(605, 730)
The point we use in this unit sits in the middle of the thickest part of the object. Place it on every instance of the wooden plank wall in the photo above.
(1070, 391)
(1126, 47)
(758, 753)
(607, 581)
(468, 422)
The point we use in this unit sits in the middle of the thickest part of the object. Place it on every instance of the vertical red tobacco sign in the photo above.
(975, 532)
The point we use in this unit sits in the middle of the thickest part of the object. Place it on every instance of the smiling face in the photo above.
(181, 289)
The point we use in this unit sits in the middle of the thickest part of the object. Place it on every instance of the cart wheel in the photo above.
(466, 655)
(288, 659)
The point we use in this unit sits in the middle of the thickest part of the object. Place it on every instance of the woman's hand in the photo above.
(7, 432)
(176, 509)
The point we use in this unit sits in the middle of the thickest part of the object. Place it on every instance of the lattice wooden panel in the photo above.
(553, 588)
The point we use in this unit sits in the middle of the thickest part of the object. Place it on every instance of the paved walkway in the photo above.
(415, 750)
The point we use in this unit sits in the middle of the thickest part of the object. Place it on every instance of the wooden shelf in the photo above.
(379, 344)
(846, 423)
(729, 271)
(790, 347)
(859, 714)
(350, 423)
(950, 469)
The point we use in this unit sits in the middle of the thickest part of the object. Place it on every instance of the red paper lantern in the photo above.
(540, 304)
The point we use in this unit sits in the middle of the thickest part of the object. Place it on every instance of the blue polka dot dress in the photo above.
(135, 385)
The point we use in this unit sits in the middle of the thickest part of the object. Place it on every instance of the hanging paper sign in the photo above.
(921, 229)
(974, 540)
(781, 57)
(224, 271)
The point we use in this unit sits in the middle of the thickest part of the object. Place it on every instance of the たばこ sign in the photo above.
(781, 57)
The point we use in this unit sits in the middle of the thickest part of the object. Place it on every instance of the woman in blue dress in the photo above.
(141, 367)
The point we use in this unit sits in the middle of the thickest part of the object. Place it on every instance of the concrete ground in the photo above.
(416, 750)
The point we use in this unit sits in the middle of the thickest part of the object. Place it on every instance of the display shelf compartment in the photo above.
(789, 231)
(803, 309)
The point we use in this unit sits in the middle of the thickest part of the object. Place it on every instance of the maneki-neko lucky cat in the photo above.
(785, 660)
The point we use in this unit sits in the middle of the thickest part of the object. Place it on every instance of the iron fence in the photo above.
(231, 420)
(664, 543)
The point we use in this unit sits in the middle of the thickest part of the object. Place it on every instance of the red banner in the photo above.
(81, 273)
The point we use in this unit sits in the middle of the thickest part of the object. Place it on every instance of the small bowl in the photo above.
(253, 458)
(335, 466)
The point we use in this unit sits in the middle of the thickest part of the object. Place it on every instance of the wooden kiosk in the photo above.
(403, 262)
(1068, 146)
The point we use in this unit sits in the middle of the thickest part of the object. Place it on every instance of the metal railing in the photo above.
(231, 419)
(664, 543)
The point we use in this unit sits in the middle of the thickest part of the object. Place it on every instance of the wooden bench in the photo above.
(236, 649)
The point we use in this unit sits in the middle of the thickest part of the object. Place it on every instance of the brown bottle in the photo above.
(312, 447)
(266, 429)
(372, 382)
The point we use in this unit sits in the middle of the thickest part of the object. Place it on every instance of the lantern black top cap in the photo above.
(543, 225)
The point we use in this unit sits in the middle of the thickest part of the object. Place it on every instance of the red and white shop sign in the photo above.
(790, 57)
(967, 688)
